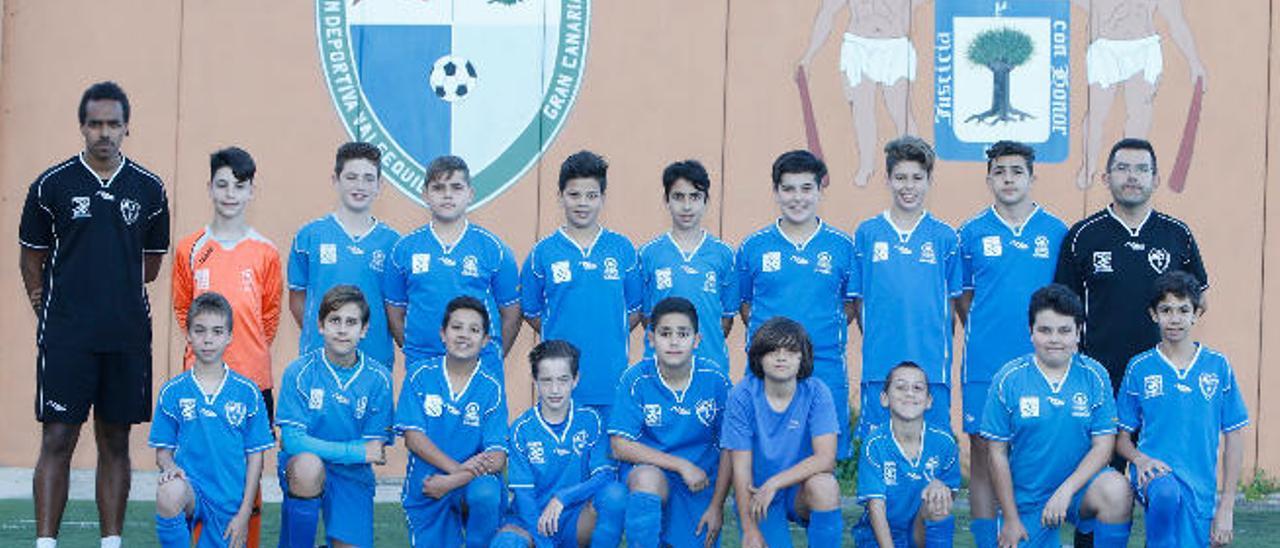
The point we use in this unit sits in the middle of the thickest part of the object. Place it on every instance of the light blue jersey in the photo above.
(706, 277)
(682, 423)
(425, 274)
(323, 255)
(1003, 265)
(1180, 416)
(885, 473)
(545, 460)
(777, 440)
(906, 278)
(211, 434)
(461, 422)
(585, 296)
(1049, 428)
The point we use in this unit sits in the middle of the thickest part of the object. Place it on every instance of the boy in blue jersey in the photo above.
(582, 283)
(906, 271)
(444, 259)
(665, 430)
(210, 431)
(1007, 251)
(907, 470)
(798, 267)
(559, 470)
(1051, 422)
(453, 417)
(689, 262)
(335, 420)
(347, 246)
(780, 428)
(1182, 397)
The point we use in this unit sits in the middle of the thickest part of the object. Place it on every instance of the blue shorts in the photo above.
(212, 521)
(834, 374)
(864, 535)
(438, 522)
(347, 502)
(565, 537)
(682, 511)
(1042, 537)
(1193, 529)
(974, 399)
(874, 414)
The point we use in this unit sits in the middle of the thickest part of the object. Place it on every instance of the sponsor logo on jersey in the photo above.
(561, 272)
(469, 267)
(235, 412)
(706, 410)
(433, 405)
(246, 280)
(106, 196)
(579, 442)
(1152, 386)
(1079, 405)
(652, 414)
(1101, 262)
(931, 467)
(187, 406)
(890, 473)
(662, 278)
(991, 246)
(824, 263)
(315, 399)
(709, 283)
(880, 252)
(471, 416)
(1042, 247)
(448, 261)
(362, 405)
(771, 261)
(926, 253)
(1208, 385)
(421, 263)
(536, 455)
(328, 254)
(376, 260)
(129, 210)
(202, 279)
(80, 207)
(1159, 259)
(355, 250)
(689, 270)
(1029, 407)
(1136, 246)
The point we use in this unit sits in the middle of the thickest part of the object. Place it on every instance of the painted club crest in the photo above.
(1002, 70)
(492, 82)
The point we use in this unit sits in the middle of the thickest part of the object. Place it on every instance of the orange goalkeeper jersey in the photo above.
(248, 274)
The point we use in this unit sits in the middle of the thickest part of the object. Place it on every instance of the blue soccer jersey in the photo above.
(1003, 265)
(906, 278)
(544, 460)
(706, 277)
(425, 274)
(315, 397)
(1049, 428)
(885, 473)
(585, 296)
(211, 434)
(777, 440)
(323, 255)
(1180, 416)
(682, 423)
(461, 422)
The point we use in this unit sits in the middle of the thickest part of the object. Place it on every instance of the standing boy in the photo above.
(689, 262)
(665, 430)
(347, 246)
(1007, 251)
(798, 267)
(906, 271)
(582, 283)
(210, 432)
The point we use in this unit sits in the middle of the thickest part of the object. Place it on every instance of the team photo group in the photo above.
(1084, 388)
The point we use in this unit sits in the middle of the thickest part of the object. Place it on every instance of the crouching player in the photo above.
(665, 430)
(780, 427)
(335, 420)
(1051, 420)
(907, 471)
(1181, 397)
(454, 422)
(559, 469)
(210, 430)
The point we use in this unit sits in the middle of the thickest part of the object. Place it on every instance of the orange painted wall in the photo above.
(665, 80)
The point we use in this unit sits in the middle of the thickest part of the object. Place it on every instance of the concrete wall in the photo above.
(665, 80)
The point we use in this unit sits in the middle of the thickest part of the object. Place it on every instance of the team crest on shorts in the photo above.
(490, 81)
(1002, 70)
(235, 412)
(1208, 385)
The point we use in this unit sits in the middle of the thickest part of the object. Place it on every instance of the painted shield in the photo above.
(491, 81)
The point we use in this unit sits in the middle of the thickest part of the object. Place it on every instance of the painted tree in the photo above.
(1000, 50)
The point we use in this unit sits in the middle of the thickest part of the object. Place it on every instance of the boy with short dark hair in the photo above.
(347, 246)
(210, 432)
(453, 417)
(665, 432)
(335, 420)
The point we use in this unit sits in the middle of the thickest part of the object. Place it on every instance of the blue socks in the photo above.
(825, 528)
(508, 539)
(775, 528)
(610, 503)
(984, 532)
(938, 534)
(1163, 502)
(1111, 535)
(484, 505)
(173, 532)
(643, 520)
(298, 522)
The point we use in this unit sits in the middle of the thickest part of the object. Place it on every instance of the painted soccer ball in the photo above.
(453, 78)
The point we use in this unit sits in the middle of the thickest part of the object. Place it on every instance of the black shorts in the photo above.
(117, 385)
